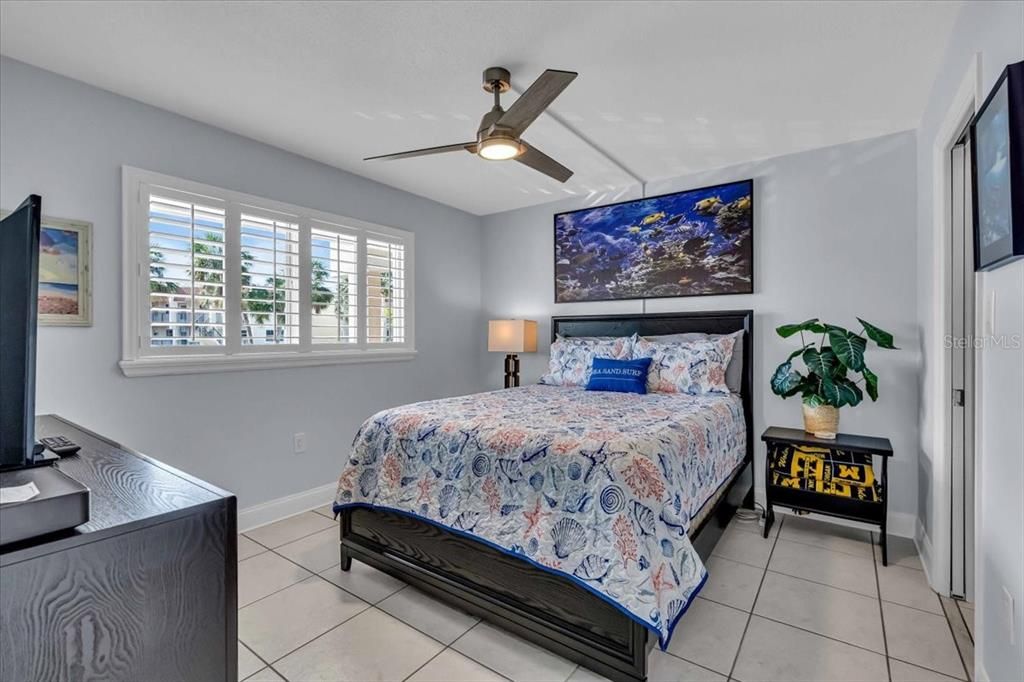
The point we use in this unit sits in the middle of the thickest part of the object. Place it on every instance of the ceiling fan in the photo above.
(499, 137)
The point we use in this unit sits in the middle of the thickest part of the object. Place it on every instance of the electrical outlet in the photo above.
(299, 440)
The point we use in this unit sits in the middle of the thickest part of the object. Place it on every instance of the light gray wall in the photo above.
(834, 238)
(66, 141)
(995, 30)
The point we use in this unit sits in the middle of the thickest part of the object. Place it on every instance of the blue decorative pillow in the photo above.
(624, 376)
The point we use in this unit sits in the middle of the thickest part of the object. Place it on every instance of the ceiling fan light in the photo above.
(499, 149)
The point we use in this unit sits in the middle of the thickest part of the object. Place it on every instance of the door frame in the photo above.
(936, 551)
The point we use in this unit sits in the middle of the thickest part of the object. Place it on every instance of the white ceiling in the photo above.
(666, 88)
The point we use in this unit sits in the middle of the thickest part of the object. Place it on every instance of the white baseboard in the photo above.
(924, 551)
(283, 507)
(900, 525)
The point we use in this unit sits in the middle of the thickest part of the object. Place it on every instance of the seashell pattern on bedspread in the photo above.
(598, 487)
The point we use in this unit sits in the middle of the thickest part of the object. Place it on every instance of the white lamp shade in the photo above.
(512, 336)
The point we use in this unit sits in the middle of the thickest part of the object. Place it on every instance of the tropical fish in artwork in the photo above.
(594, 567)
(743, 203)
(653, 218)
(634, 229)
(708, 206)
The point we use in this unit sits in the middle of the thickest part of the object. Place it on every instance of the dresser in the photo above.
(146, 590)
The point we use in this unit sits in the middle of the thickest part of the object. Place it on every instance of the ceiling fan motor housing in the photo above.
(497, 78)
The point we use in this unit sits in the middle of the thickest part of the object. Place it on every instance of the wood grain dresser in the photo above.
(146, 590)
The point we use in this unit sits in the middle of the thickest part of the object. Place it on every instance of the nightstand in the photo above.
(832, 477)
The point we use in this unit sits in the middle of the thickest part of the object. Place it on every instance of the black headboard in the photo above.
(656, 324)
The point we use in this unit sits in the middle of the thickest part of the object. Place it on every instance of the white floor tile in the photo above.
(662, 667)
(294, 527)
(904, 672)
(317, 552)
(428, 615)
(842, 615)
(371, 646)
(921, 638)
(514, 658)
(837, 569)
(247, 548)
(326, 510)
(827, 536)
(248, 662)
(709, 635)
(908, 587)
(902, 552)
(265, 574)
(451, 666)
(582, 674)
(754, 526)
(744, 547)
(364, 581)
(731, 583)
(265, 675)
(773, 651)
(286, 620)
(967, 612)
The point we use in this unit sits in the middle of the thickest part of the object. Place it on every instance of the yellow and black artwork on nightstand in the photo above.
(822, 470)
(835, 477)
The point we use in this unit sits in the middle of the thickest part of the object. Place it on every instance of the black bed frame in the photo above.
(544, 608)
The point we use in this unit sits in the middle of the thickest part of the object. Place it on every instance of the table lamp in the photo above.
(512, 337)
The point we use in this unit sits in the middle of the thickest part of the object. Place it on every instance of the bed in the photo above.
(575, 519)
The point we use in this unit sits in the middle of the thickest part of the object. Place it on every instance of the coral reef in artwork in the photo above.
(692, 243)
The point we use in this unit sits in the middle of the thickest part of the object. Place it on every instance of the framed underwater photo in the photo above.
(698, 242)
(997, 170)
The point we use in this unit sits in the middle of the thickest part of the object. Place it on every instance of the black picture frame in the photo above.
(749, 289)
(1008, 245)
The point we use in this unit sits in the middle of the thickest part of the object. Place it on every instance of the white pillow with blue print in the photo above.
(572, 357)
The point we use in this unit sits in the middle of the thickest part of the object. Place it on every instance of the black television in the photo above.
(19, 285)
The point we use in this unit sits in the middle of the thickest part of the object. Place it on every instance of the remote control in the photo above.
(60, 445)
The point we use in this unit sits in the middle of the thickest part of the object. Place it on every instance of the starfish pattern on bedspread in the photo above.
(598, 487)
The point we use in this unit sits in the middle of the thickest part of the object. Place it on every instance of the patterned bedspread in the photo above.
(598, 487)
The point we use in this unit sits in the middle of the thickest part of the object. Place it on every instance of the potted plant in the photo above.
(828, 383)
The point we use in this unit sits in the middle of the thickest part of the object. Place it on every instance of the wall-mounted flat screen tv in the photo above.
(997, 164)
(698, 242)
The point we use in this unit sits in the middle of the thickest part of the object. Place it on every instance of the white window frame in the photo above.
(139, 359)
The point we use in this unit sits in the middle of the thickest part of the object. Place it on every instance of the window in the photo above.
(218, 280)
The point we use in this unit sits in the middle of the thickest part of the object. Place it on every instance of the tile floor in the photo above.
(816, 591)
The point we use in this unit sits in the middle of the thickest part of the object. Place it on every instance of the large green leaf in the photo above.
(870, 383)
(811, 325)
(830, 392)
(821, 363)
(785, 381)
(849, 392)
(880, 336)
(848, 347)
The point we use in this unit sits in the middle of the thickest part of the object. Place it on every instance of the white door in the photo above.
(962, 374)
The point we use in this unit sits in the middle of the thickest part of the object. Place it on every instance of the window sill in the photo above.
(244, 362)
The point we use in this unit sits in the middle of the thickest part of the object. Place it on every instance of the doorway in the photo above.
(962, 398)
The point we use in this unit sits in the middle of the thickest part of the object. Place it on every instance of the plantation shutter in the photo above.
(334, 285)
(186, 272)
(385, 290)
(269, 280)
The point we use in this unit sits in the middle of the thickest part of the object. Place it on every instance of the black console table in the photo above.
(146, 590)
(827, 476)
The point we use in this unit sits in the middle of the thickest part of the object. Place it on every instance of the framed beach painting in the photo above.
(65, 276)
(698, 242)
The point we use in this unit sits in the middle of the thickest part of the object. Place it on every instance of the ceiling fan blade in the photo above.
(539, 161)
(462, 146)
(536, 99)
